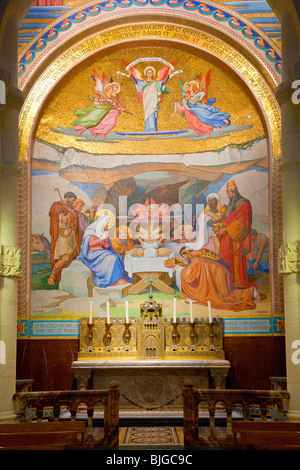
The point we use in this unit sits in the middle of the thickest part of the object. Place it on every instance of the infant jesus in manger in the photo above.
(150, 242)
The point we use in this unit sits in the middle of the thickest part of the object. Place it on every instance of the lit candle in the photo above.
(126, 311)
(107, 312)
(191, 311)
(209, 312)
(174, 310)
(91, 313)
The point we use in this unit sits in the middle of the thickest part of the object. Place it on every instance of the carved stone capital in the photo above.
(9, 95)
(219, 377)
(82, 376)
(289, 258)
(10, 261)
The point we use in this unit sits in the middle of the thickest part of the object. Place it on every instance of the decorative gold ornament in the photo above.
(10, 261)
(151, 336)
(289, 258)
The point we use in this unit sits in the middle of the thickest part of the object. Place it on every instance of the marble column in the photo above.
(12, 13)
(289, 255)
(11, 100)
(9, 253)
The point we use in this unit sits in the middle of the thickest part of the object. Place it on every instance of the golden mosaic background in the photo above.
(72, 95)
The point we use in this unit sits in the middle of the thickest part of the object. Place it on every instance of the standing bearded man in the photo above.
(236, 236)
(64, 236)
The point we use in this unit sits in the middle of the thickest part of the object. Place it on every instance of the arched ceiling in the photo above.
(222, 21)
(77, 33)
(257, 11)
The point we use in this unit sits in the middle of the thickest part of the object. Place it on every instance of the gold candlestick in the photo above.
(192, 347)
(108, 337)
(90, 347)
(174, 346)
(126, 337)
(211, 346)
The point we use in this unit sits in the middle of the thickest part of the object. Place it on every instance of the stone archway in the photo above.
(11, 13)
(86, 44)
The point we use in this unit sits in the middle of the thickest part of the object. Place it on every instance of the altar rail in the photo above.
(71, 401)
(214, 399)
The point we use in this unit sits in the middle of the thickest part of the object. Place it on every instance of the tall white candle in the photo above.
(209, 312)
(191, 311)
(91, 313)
(126, 311)
(107, 312)
(174, 310)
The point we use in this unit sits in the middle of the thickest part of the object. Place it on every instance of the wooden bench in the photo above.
(29, 439)
(35, 447)
(266, 433)
(266, 440)
(38, 433)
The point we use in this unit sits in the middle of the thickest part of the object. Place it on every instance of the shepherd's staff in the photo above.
(73, 232)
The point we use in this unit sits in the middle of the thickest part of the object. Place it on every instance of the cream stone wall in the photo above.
(290, 192)
(9, 164)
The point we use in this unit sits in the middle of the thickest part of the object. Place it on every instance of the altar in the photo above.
(151, 384)
(151, 356)
(140, 268)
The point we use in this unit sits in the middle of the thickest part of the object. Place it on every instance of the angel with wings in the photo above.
(101, 116)
(198, 109)
(150, 90)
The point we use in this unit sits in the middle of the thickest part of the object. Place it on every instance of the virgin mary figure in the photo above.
(98, 255)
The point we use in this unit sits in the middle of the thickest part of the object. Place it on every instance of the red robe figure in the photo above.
(236, 236)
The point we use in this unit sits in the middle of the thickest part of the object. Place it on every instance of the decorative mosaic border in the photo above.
(22, 223)
(277, 214)
(256, 326)
(220, 15)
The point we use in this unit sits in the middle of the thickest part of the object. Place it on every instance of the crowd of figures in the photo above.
(219, 251)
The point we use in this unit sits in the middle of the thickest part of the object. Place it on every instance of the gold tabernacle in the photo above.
(151, 337)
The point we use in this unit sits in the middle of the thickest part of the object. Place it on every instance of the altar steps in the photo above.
(157, 447)
(163, 438)
(151, 436)
(160, 418)
(157, 430)
(155, 418)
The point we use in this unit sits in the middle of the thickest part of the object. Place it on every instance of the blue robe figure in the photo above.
(103, 261)
(207, 113)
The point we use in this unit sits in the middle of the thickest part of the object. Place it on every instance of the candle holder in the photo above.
(211, 346)
(126, 337)
(108, 347)
(192, 346)
(174, 346)
(90, 346)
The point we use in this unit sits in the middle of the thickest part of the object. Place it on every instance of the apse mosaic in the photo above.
(155, 164)
(122, 105)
